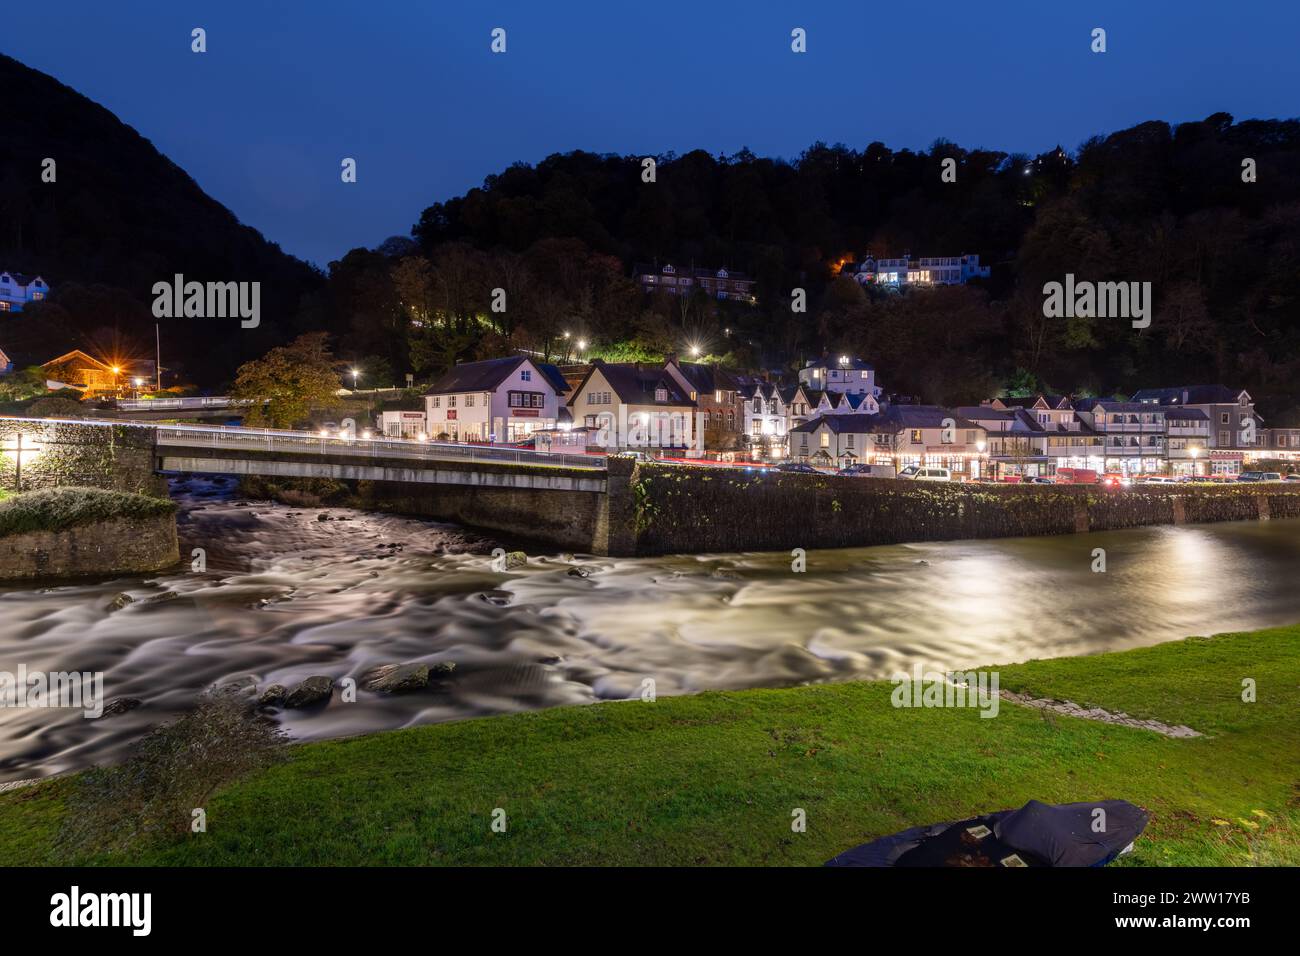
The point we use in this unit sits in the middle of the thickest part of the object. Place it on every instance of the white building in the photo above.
(497, 400)
(16, 290)
(923, 435)
(841, 374)
(937, 270)
(626, 405)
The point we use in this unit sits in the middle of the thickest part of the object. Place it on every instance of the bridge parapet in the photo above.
(48, 453)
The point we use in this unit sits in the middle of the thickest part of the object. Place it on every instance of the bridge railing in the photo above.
(191, 436)
(196, 401)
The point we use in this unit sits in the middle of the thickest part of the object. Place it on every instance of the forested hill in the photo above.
(1158, 203)
(122, 216)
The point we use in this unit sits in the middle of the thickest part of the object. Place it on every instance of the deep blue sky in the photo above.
(287, 89)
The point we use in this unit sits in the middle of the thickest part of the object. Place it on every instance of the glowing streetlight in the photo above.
(582, 345)
(695, 351)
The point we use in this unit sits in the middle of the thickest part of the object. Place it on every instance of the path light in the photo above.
(365, 434)
(582, 345)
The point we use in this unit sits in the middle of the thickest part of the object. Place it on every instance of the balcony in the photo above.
(1131, 427)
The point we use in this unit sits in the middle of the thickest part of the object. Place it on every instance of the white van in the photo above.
(926, 474)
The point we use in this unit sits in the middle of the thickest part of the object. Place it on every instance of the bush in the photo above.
(171, 772)
(56, 407)
(57, 509)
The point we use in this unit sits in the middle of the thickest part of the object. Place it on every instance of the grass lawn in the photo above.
(714, 778)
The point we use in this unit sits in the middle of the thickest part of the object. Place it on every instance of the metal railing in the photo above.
(266, 439)
(201, 401)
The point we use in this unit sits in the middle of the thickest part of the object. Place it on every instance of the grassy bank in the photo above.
(714, 778)
(58, 509)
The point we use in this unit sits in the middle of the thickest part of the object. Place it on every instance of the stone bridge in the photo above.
(560, 499)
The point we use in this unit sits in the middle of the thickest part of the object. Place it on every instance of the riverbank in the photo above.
(80, 532)
(649, 508)
(714, 778)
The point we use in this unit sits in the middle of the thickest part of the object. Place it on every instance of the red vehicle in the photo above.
(1076, 476)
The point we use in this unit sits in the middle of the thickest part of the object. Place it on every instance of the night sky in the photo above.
(411, 90)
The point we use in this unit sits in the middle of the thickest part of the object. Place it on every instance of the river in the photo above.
(286, 596)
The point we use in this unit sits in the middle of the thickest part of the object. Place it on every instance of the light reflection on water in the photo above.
(287, 596)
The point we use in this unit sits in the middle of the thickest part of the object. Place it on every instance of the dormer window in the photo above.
(669, 270)
(661, 394)
(722, 273)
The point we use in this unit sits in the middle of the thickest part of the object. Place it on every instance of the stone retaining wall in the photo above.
(57, 454)
(694, 509)
(114, 546)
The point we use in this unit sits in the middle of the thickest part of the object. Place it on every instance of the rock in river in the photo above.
(397, 678)
(274, 696)
(313, 690)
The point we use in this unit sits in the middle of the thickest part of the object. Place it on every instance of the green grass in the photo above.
(58, 509)
(713, 778)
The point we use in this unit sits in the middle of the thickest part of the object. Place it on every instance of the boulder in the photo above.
(578, 573)
(396, 678)
(274, 696)
(314, 690)
(515, 559)
(121, 601)
(119, 705)
(442, 669)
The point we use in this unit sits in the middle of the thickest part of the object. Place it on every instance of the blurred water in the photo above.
(286, 596)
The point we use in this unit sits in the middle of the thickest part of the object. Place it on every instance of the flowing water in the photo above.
(286, 596)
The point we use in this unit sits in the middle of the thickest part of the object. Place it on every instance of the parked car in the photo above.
(866, 471)
(1076, 476)
(1115, 480)
(925, 474)
(1292, 477)
(1251, 476)
(1159, 480)
(1039, 480)
(798, 468)
(1271, 476)
(634, 455)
